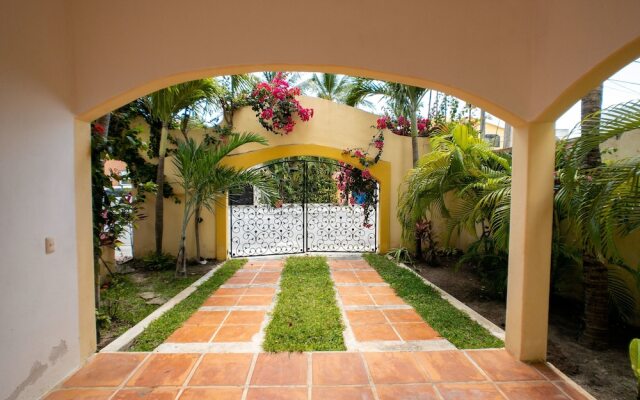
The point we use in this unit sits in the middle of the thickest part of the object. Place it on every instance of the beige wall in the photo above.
(39, 293)
(333, 125)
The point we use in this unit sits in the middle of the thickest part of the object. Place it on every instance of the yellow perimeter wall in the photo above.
(333, 128)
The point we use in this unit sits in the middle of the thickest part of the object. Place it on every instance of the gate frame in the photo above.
(305, 206)
(380, 171)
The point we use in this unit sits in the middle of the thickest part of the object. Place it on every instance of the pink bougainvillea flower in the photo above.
(379, 144)
(99, 129)
(267, 113)
(358, 153)
(366, 174)
(381, 123)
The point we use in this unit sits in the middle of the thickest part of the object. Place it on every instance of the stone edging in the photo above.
(123, 341)
(493, 329)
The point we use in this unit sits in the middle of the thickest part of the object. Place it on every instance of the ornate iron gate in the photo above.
(310, 214)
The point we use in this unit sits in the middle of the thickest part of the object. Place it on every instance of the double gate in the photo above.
(310, 213)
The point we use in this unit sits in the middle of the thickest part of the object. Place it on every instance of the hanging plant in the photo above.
(357, 186)
(402, 126)
(276, 105)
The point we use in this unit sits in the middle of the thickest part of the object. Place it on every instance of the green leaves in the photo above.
(634, 355)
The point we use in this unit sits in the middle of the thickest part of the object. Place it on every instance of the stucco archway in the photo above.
(381, 172)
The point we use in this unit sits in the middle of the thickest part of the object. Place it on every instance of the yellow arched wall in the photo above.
(381, 172)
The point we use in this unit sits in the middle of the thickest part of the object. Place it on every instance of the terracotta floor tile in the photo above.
(267, 278)
(192, 334)
(416, 331)
(273, 263)
(406, 392)
(369, 277)
(368, 333)
(357, 300)
(164, 370)
(222, 369)
(255, 301)
(260, 291)
(342, 393)
(501, 366)
(402, 315)
(105, 370)
(384, 290)
(394, 367)
(280, 369)
(545, 370)
(338, 369)
(466, 391)
(388, 300)
(360, 317)
(80, 394)
(230, 292)
(236, 280)
(281, 393)
(221, 301)
(245, 317)
(571, 391)
(360, 264)
(352, 290)
(345, 277)
(207, 318)
(236, 333)
(147, 394)
(212, 394)
(252, 266)
(532, 391)
(448, 366)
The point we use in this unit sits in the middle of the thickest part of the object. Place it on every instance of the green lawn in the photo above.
(306, 316)
(159, 330)
(121, 305)
(451, 323)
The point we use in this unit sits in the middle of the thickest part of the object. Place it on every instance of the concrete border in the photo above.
(123, 341)
(493, 329)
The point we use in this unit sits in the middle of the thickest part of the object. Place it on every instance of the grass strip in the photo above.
(306, 316)
(453, 324)
(159, 330)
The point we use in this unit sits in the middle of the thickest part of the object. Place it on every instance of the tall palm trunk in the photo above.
(159, 222)
(594, 272)
(197, 212)
(415, 156)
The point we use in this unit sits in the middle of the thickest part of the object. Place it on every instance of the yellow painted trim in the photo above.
(381, 172)
(84, 240)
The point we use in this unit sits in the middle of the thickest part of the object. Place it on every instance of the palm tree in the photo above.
(232, 94)
(603, 204)
(329, 86)
(205, 180)
(403, 100)
(164, 106)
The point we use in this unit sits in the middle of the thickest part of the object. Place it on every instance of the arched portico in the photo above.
(531, 60)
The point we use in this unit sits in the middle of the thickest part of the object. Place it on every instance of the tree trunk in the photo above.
(591, 103)
(596, 303)
(507, 136)
(595, 279)
(159, 222)
(414, 136)
(197, 232)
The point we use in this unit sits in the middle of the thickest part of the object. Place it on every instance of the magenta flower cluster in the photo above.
(276, 105)
(402, 126)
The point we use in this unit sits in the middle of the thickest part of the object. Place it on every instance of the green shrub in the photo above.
(158, 262)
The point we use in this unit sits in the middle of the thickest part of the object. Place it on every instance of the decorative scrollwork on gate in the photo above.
(333, 227)
(310, 220)
(262, 230)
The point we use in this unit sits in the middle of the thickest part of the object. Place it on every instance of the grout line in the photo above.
(483, 372)
(369, 377)
(252, 367)
(190, 375)
(131, 374)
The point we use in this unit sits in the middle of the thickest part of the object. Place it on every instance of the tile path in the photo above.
(391, 354)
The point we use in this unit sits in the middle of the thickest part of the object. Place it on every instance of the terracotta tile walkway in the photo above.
(216, 354)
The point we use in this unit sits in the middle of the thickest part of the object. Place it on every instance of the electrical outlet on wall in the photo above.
(49, 245)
